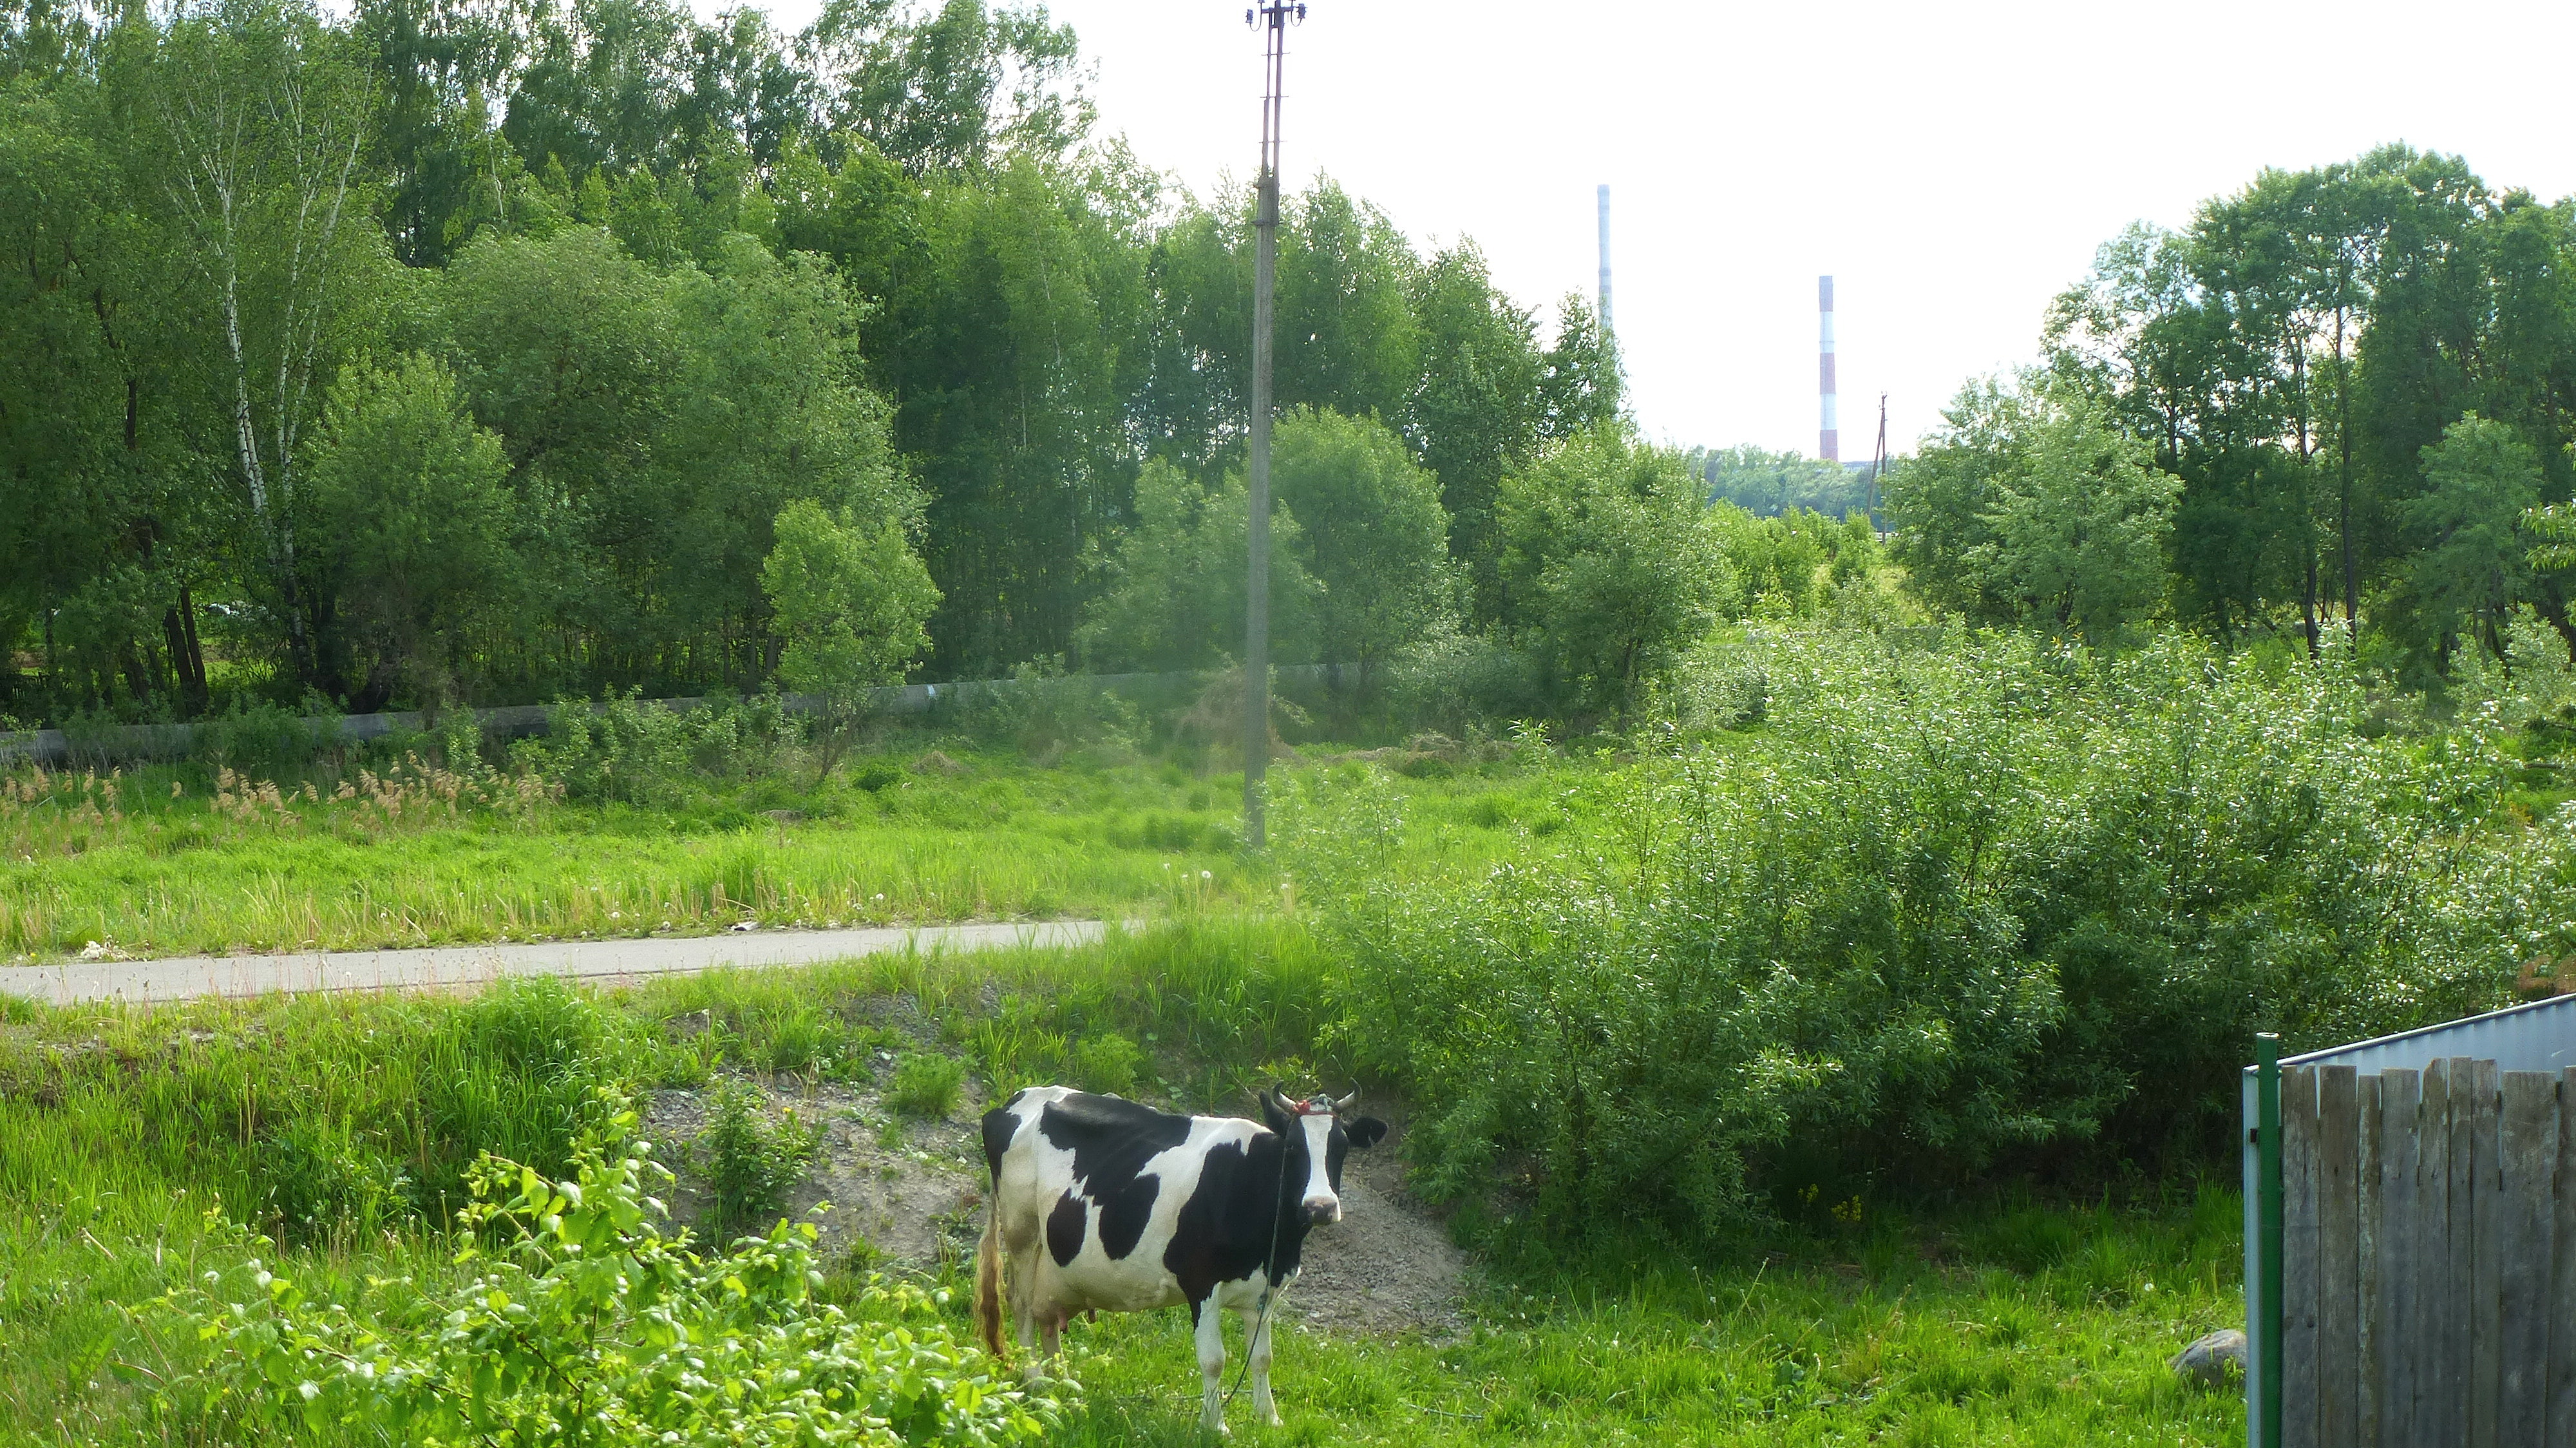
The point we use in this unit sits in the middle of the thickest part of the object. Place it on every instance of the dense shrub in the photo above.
(637, 751)
(264, 738)
(1043, 710)
(1451, 680)
(323, 1179)
(1951, 903)
(588, 1325)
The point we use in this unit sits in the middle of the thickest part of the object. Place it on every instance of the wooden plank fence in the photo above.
(2428, 1288)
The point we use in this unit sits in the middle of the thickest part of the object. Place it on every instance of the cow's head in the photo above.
(1316, 1133)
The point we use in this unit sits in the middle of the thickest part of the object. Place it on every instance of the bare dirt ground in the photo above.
(911, 1190)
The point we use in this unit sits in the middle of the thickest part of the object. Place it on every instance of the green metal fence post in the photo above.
(2266, 1318)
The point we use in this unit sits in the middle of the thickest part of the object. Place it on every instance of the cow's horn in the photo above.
(1347, 1102)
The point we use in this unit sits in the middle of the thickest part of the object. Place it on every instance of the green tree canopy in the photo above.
(850, 597)
(2473, 564)
(2029, 506)
(656, 422)
(1580, 385)
(2079, 531)
(1176, 591)
(1370, 534)
(1611, 566)
(1475, 411)
(415, 497)
(1770, 484)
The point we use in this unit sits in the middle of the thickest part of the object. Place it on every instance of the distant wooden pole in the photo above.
(1273, 16)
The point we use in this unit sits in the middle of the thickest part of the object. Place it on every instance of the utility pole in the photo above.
(1272, 16)
(1878, 465)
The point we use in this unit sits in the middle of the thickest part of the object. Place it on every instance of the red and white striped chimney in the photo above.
(1828, 437)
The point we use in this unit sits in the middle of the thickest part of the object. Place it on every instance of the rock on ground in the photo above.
(2212, 1361)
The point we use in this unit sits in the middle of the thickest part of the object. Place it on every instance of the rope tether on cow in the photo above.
(1321, 1105)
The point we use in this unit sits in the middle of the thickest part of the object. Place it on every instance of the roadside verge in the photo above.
(187, 977)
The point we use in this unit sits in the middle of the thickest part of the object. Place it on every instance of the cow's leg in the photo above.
(1256, 1338)
(1023, 1282)
(1210, 1321)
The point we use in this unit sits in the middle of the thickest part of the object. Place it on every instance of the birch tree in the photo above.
(265, 113)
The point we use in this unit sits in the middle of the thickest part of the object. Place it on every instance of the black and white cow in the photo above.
(1104, 1205)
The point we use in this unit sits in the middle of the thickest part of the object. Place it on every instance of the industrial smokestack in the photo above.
(1605, 258)
(1828, 441)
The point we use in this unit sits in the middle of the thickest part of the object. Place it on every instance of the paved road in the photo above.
(182, 977)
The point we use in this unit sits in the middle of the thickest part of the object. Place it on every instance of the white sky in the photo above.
(1953, 165)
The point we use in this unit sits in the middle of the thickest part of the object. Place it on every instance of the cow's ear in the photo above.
(1274, 1113)
(1364, 1133)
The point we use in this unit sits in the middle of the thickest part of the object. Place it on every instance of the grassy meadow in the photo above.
(178, 860)
(340, 1126)
(1843, 1055)
(2015, 1324)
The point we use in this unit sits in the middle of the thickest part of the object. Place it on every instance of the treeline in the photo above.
(2338, 402)
(474, 350)
(1770, 484)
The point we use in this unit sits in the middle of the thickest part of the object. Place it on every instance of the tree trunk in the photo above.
(2307, 515)
(196, 647)
(2343, 447)
(278, 533)
(138, 672)
(2308, 599)
(174, 639)
(211, 111)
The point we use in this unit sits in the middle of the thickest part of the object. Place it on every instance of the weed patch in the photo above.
(927, 1085)
(747, 1160)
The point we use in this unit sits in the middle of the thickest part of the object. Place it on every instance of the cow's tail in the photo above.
(988, 1276)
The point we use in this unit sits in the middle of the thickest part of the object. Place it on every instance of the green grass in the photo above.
(119, 860)
(334, 1122)
(926, 1084)
(1899, 1335)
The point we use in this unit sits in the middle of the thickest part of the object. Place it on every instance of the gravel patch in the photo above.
(913, 1195)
